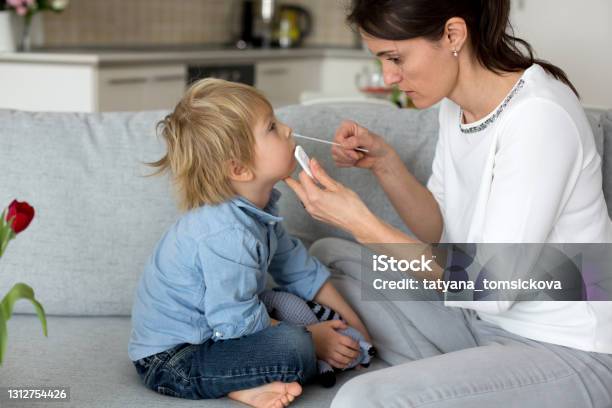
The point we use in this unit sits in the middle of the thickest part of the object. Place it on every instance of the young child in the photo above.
(199, 328)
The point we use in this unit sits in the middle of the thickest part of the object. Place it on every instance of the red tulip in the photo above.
(21, 213)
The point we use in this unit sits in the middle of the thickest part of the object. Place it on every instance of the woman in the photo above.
(515, 162)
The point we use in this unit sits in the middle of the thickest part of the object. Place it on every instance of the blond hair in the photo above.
(211, 126)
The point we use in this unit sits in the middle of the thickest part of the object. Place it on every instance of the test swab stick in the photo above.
(361, 149)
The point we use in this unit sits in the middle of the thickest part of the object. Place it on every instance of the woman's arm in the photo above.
(413, 202)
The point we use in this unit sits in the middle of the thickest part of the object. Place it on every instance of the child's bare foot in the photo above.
(273, 395)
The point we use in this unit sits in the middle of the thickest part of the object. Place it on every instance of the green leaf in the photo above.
(19, 291)
(22, 291)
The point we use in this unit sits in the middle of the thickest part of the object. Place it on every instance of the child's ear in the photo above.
(239, 172)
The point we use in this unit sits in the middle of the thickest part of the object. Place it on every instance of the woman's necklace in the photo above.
(491, 119)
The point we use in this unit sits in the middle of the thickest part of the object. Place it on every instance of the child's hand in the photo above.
(273, 322)
(334, 348)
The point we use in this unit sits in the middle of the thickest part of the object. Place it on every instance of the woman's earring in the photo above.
(455, 53)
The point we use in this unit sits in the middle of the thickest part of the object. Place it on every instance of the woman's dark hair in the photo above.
(488, 24)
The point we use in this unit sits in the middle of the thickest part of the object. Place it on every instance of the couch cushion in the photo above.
(413, 133)
(606, 124)
(597, 120)
(89, 354)
(595, 117)
(97, 219)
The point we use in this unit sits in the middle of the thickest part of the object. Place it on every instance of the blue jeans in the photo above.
(213, 369)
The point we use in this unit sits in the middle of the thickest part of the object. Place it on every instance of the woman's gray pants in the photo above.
(445, 357)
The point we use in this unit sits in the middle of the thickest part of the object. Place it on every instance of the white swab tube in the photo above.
(361, 149)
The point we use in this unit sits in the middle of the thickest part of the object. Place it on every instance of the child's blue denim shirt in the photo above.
(204, 276)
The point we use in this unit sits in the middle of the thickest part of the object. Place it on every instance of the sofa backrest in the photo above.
(414, 135)
(98, 218)
(606, 128)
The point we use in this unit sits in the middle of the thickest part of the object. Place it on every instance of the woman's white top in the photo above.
(527, 172)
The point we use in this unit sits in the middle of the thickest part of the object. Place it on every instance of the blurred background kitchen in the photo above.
(92, 55)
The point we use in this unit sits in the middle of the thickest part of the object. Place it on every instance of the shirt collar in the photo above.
(268, 214)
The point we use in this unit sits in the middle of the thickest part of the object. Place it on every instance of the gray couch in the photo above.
(98, 218)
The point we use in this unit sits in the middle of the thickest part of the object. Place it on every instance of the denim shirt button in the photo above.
(218, 334)
(271, 222)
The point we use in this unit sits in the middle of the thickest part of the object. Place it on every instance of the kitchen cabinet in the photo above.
(100, 82)
(83, 88)
(140, 88)
(283, 82)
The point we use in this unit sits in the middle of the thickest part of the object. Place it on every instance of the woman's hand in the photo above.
(331, 202)
(350, 135)
(335, 348)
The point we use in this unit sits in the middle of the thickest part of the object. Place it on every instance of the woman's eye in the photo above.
(272, 126)
(396, 61)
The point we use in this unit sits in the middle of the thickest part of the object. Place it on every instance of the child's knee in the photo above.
(296, 343)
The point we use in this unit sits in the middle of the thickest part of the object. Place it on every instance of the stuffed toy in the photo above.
(287, 307)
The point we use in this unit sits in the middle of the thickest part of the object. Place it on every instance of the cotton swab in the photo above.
(361, 149)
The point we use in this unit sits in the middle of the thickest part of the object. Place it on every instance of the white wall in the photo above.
(575, 35)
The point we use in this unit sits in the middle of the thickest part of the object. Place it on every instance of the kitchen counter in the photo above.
(140, 78)
(104, 57)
